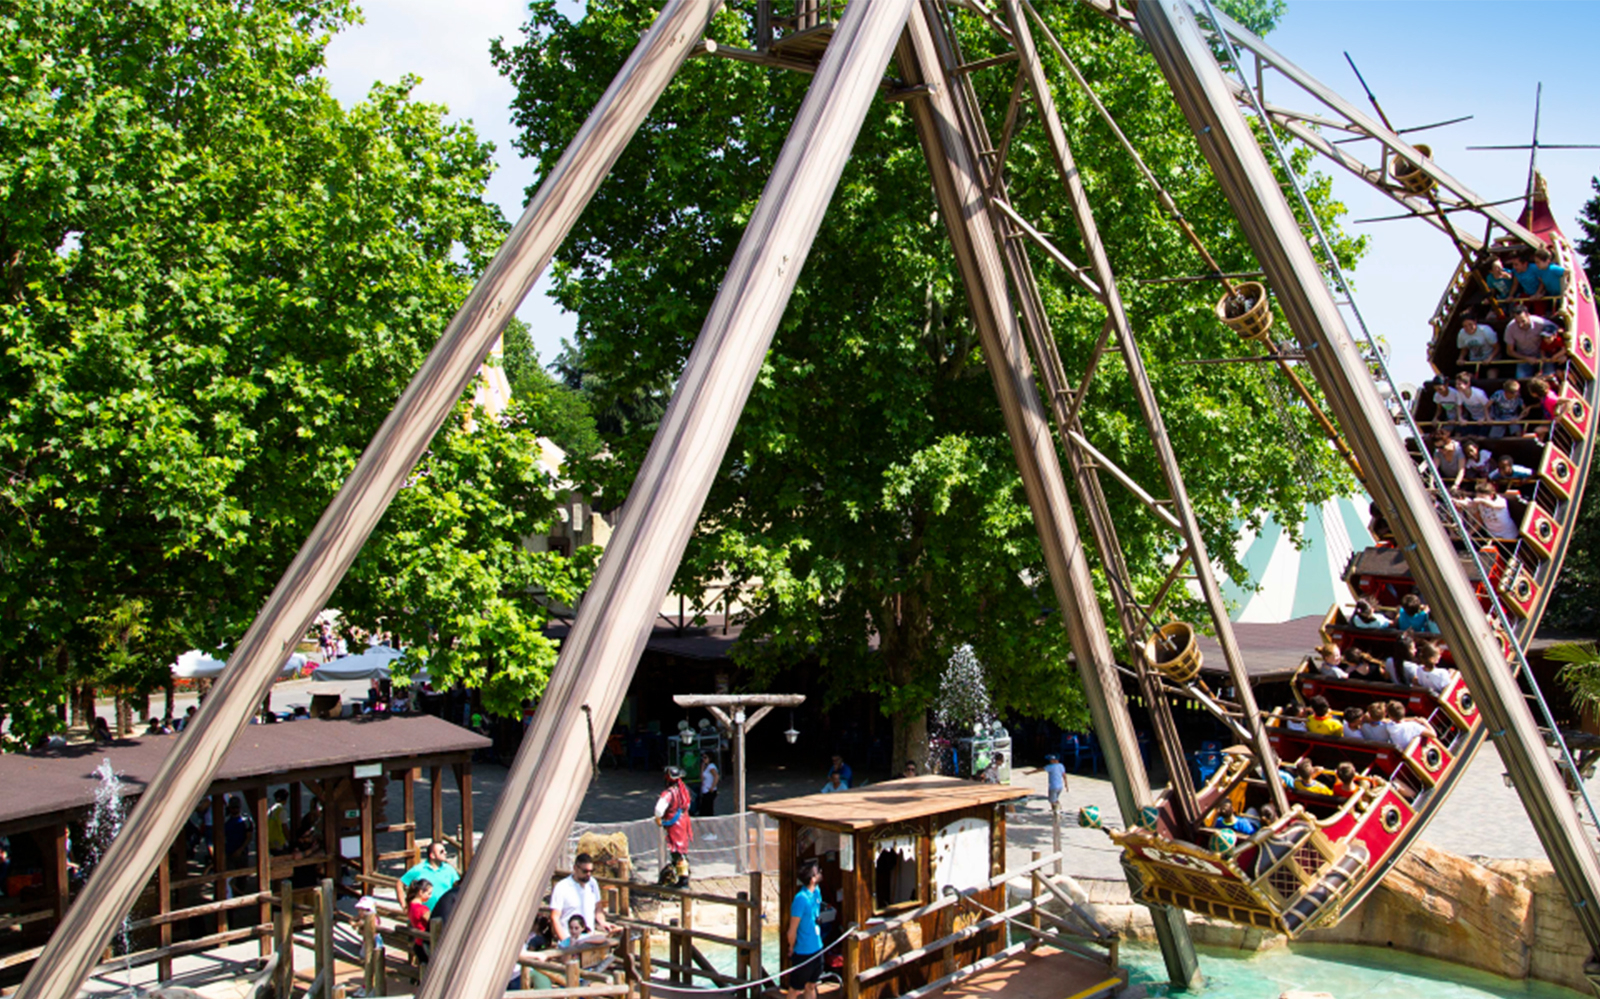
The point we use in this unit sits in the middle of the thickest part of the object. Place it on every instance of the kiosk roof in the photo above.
(890, 801)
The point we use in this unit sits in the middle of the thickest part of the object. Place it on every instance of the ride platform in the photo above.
(1045, 973)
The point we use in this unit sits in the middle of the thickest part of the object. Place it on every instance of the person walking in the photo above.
(1055, 775)
(672, 814)
(710, 780)
(804, 940)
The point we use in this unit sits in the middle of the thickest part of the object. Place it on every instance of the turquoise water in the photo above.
(1347, 972)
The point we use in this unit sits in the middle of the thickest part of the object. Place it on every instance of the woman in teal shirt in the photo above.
(805, 941)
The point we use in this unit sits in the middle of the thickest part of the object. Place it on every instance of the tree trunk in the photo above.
(911, 741)
(172, 697)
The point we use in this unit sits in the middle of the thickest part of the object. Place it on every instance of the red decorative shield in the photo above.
(1521, 594)
(1541, 530)
(1558, 472)
(1582, 353)
(1575, 414)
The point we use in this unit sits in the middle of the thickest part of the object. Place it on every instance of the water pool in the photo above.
(1347, 972)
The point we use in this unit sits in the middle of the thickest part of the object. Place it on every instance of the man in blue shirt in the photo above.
(1056, 776)
(805, 940)
(845, 773)
(1552, 276)
(1529, 282)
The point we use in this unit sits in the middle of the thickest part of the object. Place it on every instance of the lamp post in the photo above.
(733, 716)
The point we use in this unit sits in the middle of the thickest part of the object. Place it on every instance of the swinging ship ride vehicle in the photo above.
(1308, 867)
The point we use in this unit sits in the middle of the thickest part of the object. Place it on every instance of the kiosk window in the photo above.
(894, 872)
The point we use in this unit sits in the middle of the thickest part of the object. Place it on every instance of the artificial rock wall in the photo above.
(1508, 917)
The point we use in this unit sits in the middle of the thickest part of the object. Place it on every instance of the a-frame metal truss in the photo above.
(989, 237)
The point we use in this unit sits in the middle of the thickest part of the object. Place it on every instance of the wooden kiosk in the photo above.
(917, 867)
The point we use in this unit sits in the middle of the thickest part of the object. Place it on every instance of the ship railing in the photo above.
(1447, 301)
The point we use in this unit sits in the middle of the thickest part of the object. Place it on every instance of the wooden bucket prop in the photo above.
(1178, 658)
(1410, 175)
(1255, 322)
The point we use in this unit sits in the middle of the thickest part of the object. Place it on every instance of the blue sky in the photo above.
(1427, 61)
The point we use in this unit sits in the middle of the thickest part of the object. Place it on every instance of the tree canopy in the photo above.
(214, 282)
(868, 512)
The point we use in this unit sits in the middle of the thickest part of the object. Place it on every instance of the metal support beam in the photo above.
(960, 190)
(1144, 394)
(1265, 216)
(542, 790)
(310, 580)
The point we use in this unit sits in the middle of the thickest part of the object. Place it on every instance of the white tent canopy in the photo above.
(196, 665)
(1298, 582)
(373, 664)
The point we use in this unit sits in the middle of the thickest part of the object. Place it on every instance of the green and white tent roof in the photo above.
(1297, 582)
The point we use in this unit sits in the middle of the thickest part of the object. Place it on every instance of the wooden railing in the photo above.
(1078, 932)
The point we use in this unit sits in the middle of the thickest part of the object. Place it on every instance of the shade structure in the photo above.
(1290, 582)
(373, 664)
(196, 665)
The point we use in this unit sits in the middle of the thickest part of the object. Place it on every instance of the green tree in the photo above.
(1588, 244)
(563, 411)
(447, 572)
(214, 283)
(868, 512)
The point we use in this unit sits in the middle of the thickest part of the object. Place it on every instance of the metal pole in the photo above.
(960, 193)
(1144, 394)
(1251, 188)
(310, 580)
(541, 796)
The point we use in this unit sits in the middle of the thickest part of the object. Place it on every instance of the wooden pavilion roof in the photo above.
(891, 801)
(45, 784)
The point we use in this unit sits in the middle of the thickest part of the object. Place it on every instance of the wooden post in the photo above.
(741, 960)
(540, 799)
(573, 978)
(436, 803)
(1055, 834)
(371, 963)
(283, 938)
(369, 847)
(852, 967)
(413, 856)
(1035, 887)
(464, 785)
(324, 935)
(259, 805)
(686, 944)
(330, 826)
(164, 906)
(219, 855)
(295, 813)
(646, 965)
(946, 924)
(757, 921)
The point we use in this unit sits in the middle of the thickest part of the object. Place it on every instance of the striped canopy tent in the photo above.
(1292, 582)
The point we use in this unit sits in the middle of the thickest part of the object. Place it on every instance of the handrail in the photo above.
(638, 888)
(875, 927)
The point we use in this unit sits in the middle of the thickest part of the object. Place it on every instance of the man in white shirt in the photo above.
(1404, 731)
(578, 894)
(835, 783)
(1472, 406)
(710, 780)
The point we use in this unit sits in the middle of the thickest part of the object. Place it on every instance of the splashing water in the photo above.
(963, 693)
(101, 828)
(963, 709)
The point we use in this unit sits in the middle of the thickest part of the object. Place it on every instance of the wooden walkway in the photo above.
(1045, 973)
